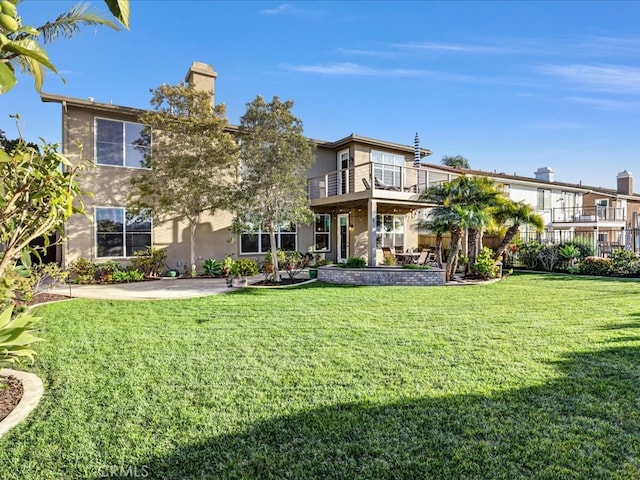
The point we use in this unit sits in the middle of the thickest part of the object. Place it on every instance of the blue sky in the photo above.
(512, 86)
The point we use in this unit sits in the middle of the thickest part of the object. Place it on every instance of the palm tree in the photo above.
(515, 214)
(21, 49)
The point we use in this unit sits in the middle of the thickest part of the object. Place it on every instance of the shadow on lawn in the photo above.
(586, 424)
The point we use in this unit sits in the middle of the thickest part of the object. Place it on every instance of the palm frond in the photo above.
(69, 23)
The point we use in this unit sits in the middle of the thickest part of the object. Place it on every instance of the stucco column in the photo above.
(371, 248)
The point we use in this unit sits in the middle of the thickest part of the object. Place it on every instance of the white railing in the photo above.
(588, 215)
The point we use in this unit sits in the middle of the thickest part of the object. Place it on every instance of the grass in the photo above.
(536, 376)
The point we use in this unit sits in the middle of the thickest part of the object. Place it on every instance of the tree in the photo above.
(9, 144)
(275, 157)
(19, 47)
(192, 159)
(438, 226)
(515, 214)
(36, 198)
(455, 162)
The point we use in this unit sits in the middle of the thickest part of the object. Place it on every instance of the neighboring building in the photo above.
(365, 193)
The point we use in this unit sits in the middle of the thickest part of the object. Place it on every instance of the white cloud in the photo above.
(609, 78)
(276, 11)
(354, 69)
(605, 103)
(452, 47)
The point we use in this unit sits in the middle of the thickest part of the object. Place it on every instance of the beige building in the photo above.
(364, 191)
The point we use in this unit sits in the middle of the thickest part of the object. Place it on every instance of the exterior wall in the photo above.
(382, 276)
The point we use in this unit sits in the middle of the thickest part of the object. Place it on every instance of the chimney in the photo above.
(625, 183)
(545, 173)
(202, 77)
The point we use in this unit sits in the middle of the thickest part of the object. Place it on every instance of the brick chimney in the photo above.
(625, 183)
(545, 173)
(202, 76)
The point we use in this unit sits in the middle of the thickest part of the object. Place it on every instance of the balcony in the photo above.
(374, 180)
(590, 215)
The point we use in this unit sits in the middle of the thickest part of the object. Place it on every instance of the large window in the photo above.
(387, 168)
(322, 233)
(389, 231)
(121, 144)
(257, 241)
(119, 234)
(544, 199)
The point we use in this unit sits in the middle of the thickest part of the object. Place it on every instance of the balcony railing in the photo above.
(588, 215)
(374, 176)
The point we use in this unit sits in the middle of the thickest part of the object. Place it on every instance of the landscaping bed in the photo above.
(10, 394)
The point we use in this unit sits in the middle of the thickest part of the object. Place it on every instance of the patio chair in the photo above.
(423, 258)
(383, 186)
(398, 250)
(366, 184)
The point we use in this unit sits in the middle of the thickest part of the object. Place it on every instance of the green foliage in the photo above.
(585, 248)
(192, 161)
(17, 286)
(568, 251)
(275, 158)
(82, 270)
(548, 257)
(457, 161)
(624, 262)
(595, 266)
(355, 262)
(212, 267)
(48, 271)
(38, 194)
(16, 336)
(295, 262)
(150, 261)
(19, 47)
(244, 267)
(485, 265)
(389, 261)
(413, 266)
(227, 263)
(528, 254)
(126, 276)
(268, 257)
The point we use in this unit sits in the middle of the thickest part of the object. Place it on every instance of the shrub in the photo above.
(82, 270)
(548, 257)
(413, 266)
(107, 269)
(212, 267)
(16, 336)
(280, 255)
(485, 266)
(127, 276)
(356, 262)
(528, 254)
(244, 268)
(17, 287)
(150, 261)
(294, 262)
(594, 266)
(624, 262)
(227, 263)
(585, 248)
(47, 271)
(389, 261)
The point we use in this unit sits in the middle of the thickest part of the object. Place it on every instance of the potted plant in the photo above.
(463, 263)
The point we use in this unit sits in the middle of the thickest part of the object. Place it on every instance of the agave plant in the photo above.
(16, 336)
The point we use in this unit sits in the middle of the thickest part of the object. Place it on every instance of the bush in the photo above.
(150, 261)
(280, 255)
(82, 270)
(47, 271)
(127, 276)
(585, 249)
(16, 336)
(548, 257)
(294, 262)
(17, 287)
(356, 262)
(227, 263)
(595, 266)
(212, 267)
(244, 268)
(624, 262)
(485, 266)
(413, 266)
(106, 270)
(528, 254)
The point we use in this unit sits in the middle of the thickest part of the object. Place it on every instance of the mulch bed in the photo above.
(10, 394)
(285, 281)
(45, 297)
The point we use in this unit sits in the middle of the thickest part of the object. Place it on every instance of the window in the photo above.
(387, 167)
(119, 234)
(544, 199)
(389, 231)
(322, 233)
(121, 144)
(257, 241)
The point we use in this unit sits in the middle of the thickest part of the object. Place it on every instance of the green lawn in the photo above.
(536, 376)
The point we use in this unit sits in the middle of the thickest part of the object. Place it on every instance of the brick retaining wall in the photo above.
(381, 276)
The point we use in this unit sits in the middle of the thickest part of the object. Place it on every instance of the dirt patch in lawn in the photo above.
(10, 395)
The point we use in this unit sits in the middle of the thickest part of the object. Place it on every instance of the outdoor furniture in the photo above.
(366, 184)
(387, 253)
(381, 185)
(408, 257)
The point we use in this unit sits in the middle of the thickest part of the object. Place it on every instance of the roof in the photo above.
(109, 107)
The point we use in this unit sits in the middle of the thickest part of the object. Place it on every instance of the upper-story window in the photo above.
(121, 144)
(387, 168)
(544, 199)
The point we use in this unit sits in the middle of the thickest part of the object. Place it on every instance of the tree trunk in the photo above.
(274, 254)
(454, 250)
(193, 225)
(512, 231)
(439, 250)
(473, 245)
